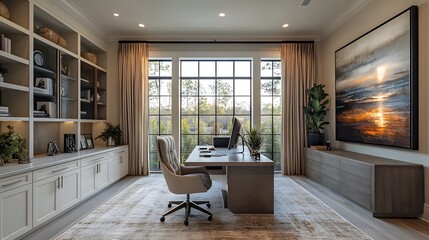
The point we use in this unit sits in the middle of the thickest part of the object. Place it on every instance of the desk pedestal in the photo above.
(250, 189)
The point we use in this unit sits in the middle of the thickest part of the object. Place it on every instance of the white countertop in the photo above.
(46, 161)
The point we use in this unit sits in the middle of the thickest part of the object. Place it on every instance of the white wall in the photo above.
(374, 14)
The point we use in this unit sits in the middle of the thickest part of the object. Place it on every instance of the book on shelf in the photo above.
(4, 108)
(5, 114)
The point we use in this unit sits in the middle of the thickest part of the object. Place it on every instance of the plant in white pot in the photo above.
(111, 134)
(315, 112)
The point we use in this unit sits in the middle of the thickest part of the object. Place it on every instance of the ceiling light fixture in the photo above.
(141, 25)
(222, 14)
(285, 25)
(116, 14)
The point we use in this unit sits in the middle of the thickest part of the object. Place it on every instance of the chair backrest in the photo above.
(167, 153)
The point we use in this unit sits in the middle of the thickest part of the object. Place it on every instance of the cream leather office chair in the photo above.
(182, 179)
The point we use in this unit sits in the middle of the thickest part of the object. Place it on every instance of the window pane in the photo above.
(165, 105)
(154, 162)
(224, 105)
(266, 87)
(153, 68)
(277, 105)
(189, 105)
(266, 105)
(153, 105)
(165, 87)
(189, 142)
(267, 143)
(154, 124)
(266, 124)
(153, 86)
(277, 125)
(277, 161)
(207, 87)
(242, 87)
(225, 69)
(206, 140)
(225, 87)
(207, 125)
(277, 71)
(242, 105)
(277, 87)
(165, 125)
(207, 105)
(165, 68)
(224, 125)
(207, 69)
(266, 69)
(242, 69)
(152, 143)
(189, 125)
(189, 69)
(189, 87)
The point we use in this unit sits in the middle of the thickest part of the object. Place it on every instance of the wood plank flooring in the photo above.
(360, 217)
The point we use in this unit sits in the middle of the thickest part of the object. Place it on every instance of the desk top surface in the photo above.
(225, 157)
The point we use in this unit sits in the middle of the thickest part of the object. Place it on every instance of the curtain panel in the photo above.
(298, 74)
(133, 95)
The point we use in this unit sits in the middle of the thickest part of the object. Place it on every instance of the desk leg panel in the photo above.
(250, 189)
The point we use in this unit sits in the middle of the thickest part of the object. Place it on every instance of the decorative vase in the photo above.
(110, 142)
(315, 139)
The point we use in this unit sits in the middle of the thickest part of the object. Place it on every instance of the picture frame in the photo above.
(44, 86)
(82, 141)
(89, 141)
(50, 108)
(376, 78)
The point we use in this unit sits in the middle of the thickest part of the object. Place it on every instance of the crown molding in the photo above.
(344, 16)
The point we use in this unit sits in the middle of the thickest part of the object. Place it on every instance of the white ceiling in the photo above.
(200, 17)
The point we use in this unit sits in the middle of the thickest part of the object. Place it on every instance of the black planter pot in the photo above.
(316, 139)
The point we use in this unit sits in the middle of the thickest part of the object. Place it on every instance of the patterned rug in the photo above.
(134, 214)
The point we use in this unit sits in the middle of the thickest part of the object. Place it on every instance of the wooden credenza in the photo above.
(387, 187)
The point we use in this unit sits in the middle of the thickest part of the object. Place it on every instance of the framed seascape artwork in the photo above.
(376, 85)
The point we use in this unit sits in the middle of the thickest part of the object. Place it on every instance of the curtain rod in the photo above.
(211, 42)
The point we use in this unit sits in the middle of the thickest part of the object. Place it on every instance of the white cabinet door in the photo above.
(114, 168)
(69, 191)
(45, 193)
(102, 175)
(16, 212)
(87, 176)
(123, 165)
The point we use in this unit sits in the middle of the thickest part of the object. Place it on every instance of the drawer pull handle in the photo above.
(13, 183)
(59, 170)
(58, 183)
(62, 182)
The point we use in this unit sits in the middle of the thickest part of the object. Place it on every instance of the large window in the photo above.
(212, 92)
(160, 111)
(271, 110)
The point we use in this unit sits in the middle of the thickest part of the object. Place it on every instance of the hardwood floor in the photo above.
(375, 227)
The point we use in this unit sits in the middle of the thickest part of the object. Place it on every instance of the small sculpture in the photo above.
(53, 148)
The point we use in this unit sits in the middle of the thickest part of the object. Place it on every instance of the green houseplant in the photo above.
(253, 140)
(111, 134)
(12, 146)
(315, 112)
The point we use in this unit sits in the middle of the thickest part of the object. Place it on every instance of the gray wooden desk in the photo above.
(250, 182)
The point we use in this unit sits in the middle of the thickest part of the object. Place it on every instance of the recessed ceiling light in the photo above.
(141, 25)
(116, 14)
(285, 25)
(222, 14)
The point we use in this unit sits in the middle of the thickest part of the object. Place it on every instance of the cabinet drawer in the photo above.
(360, 198)
(93, 159)
(331, 183)
(355, 183)
(331, 161)
(118, 152)
(356, 168)
(331, 172)
(15, 181)
(55, 170)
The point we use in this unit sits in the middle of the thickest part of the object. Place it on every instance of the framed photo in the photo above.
(44, 86)
(376, 79)
(83, 144)
(49, 108)
(90, 143)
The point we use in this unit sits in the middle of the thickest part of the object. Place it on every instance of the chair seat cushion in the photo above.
(207, 181)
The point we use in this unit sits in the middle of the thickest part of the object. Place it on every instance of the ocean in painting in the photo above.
(373, 87)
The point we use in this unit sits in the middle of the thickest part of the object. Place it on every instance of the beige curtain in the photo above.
(133, 95)
(298, 74)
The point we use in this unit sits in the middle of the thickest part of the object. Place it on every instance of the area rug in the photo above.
(134, 214)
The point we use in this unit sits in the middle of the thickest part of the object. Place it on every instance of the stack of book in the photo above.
(4, 112)
(40, 114)
(5, 43)
(83, 115)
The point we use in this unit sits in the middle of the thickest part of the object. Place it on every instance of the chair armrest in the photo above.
(192, 169)
(179, 184)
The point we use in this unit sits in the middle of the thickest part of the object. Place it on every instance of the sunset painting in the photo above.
(374, 86)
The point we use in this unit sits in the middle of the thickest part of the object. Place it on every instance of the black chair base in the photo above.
(188, 204)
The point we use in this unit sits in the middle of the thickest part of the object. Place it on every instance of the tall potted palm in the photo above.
(315, 112)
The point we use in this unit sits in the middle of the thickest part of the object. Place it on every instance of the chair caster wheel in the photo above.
(186, 223)
(162, 219)
(208, 205)
(210, 218)
(169, 205)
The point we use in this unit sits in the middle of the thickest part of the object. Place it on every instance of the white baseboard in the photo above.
(425, 215)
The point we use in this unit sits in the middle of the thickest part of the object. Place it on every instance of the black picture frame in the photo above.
(376, 79)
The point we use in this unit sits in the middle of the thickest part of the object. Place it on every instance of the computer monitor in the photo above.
(235, 133)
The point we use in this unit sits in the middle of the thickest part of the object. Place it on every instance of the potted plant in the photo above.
(12, 146)
(253, 140)
(315, 113)
(111, 134)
